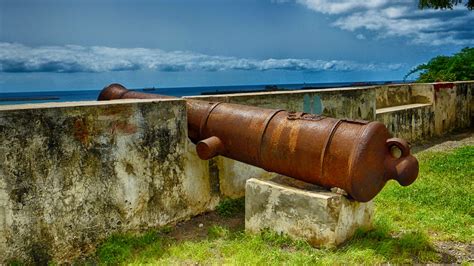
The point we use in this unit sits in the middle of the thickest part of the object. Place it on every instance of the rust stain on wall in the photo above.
(81, 132)
(123, 127)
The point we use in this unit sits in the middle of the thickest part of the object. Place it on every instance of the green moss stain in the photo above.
(39, 254)
(129, 168)
(317, 105)
(307, 103)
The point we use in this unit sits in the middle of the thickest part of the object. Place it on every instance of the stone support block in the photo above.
(303, 211)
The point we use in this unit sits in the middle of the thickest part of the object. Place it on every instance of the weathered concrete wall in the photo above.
(71, 175)
(453, 106)
(407, 110)
(398, 95)
(417, 112)
(413, 123)
(355, 103)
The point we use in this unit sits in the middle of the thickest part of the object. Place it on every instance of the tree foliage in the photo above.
(457, 67)
(444, 4)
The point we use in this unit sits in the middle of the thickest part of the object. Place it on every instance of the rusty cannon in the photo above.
(356, 156)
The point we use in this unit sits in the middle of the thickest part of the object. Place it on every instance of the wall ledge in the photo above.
(281, 92)
(401, 107)
(49, 105)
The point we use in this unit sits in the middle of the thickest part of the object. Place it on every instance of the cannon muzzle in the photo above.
(356, 156)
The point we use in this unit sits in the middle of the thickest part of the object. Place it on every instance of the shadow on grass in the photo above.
(406, 247)
(456, 135)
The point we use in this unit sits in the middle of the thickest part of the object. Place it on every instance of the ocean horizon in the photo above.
(9, 98)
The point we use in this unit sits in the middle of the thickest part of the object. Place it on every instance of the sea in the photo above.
(91, 95)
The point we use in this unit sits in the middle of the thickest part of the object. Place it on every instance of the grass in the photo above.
(440, 202)
(230, 207)
(437, 207)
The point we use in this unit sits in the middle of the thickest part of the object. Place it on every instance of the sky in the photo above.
(87, 44)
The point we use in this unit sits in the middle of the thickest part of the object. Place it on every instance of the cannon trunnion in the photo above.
(357, 156)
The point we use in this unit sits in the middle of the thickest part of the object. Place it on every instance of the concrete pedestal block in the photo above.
(303, 211)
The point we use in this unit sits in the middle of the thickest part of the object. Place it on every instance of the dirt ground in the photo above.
(446, 143)
(459, 251)
(197, 228)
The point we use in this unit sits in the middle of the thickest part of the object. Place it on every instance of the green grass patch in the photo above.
(438, 206)
(216, 231)
(440, 202)
(371, 247)
(122, 247)
(230, 207)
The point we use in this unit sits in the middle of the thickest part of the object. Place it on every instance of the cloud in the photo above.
(341, 6)
(399, 18)
(17, 58)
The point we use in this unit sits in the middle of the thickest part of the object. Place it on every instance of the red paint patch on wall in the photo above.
(81, 132)
(441, 86)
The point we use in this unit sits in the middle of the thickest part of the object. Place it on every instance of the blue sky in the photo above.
(73, 44)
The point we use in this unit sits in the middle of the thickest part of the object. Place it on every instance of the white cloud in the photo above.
(16, 57)
(341, 6)
(399, 18)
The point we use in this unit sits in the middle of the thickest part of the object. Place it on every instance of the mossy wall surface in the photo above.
(414, 124)
(71, 176)
(355, 103)
(446, 107)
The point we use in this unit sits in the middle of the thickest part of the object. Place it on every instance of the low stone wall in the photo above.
(413, 122)
(417, 112)
(73, 173)
(453, 106)
(354, 103)
(403, 94)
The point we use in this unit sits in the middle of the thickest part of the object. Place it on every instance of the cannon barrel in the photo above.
(356, 156)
